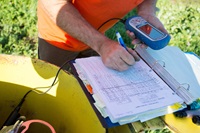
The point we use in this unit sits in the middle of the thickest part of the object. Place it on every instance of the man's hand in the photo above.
(152, 19)
(147, 10)
(117, 57)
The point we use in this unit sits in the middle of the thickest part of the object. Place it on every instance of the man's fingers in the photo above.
(134, 54)
(130, 34)
(117, 64)
(119, 58)
(136, 41)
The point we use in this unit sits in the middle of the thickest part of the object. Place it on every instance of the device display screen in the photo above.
(151, 32)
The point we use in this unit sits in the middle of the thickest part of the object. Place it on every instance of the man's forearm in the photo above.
(147, 10)
(147, 7)
(67, 17)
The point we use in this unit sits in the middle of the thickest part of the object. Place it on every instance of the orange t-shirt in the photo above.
(96, 12)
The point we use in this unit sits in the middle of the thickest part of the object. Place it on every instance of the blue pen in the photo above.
(120, 40)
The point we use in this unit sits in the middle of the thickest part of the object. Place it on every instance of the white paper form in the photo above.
(129, 92)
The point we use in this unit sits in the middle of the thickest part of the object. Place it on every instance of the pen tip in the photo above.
(117, 32)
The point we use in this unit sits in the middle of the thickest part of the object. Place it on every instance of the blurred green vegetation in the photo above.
(18, 30)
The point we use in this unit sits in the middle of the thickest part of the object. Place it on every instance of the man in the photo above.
(68, 29)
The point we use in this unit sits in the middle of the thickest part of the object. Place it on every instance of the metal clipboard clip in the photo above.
(183, 91)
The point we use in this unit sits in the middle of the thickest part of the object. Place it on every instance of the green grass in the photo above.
(18, 30)
(182, 22)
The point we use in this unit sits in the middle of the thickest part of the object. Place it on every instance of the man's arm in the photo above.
(148, 7)
(147, 10)
(67, 17)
